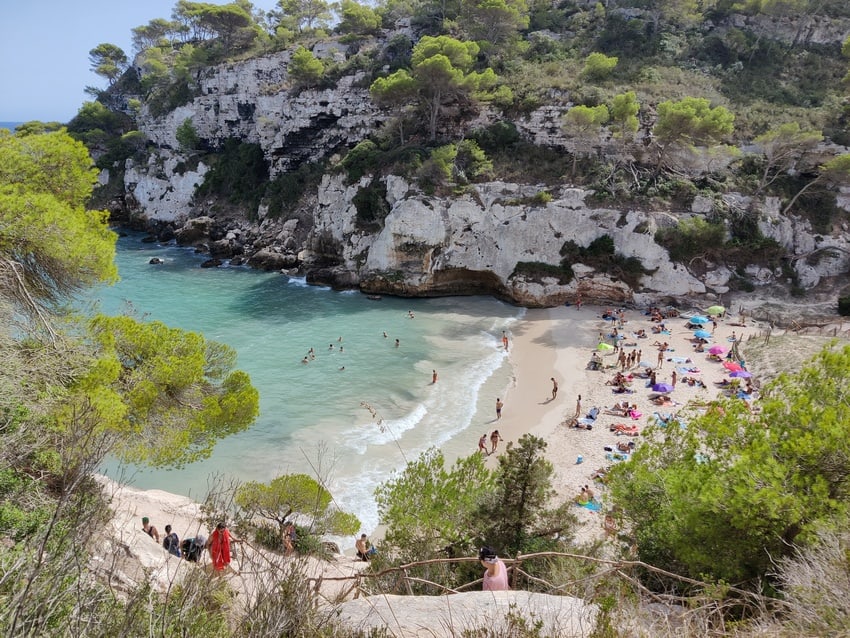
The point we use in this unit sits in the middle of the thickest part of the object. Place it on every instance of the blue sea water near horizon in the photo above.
(312, 417)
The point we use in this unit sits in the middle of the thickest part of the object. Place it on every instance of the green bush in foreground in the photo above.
(727, 496)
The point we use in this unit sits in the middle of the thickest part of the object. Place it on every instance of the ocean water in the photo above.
(311, 415)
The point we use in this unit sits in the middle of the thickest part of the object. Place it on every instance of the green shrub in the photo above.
(537, 270)
(238, 172)
(360, 160)
(600, 254)
(305, 69)
(286, 190)
(598, 66)
(542, 198)
(690, 238)
(187, 136)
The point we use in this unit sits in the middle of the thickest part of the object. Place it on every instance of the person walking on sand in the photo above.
(505, 340)
(219, 547)
(499, 405)
(660, 359)
(578, 406)
(433, 376)
(289, 538)
(494, 441)
(673, 378)
(554, 387)
(482, 444)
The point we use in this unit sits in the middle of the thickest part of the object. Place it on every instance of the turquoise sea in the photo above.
(311, 417)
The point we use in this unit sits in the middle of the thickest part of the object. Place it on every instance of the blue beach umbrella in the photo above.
(698, 319)
(662, 387)
(702, 334)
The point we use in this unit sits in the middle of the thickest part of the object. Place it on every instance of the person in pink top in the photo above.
(496, 574)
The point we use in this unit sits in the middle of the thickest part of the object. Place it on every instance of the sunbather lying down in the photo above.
(581, 424)
(662, 399)
(619, 409)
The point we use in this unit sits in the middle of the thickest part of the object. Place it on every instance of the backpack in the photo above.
(171, 543)
(191, 550)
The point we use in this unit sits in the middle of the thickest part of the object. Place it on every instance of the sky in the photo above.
(45, 44)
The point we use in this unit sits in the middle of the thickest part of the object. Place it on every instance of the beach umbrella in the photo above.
(604, 346)
(718, 349)
(698, 319)
(716, 310)
(740, 374)
(732, 366)
(662, 387)
(702, 334)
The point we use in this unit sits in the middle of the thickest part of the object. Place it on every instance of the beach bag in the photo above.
(191, 550)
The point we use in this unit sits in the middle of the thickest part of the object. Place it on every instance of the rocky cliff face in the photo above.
(252, 101)
(427, 245)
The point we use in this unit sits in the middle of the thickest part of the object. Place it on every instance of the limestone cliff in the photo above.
(496, 238)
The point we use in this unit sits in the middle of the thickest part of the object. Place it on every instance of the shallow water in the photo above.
(311, 417)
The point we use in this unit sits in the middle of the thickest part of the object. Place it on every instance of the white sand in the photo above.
(558, 343)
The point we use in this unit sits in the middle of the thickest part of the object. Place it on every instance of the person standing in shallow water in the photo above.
(433, 376)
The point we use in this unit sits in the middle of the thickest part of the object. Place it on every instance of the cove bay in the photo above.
(312, 415)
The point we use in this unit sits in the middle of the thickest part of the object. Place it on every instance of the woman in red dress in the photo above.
(219, 546)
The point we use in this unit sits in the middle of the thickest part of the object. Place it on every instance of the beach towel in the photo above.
(635, 414)
(593, 506)
(594, 412)
(679, 359)
(616, 457)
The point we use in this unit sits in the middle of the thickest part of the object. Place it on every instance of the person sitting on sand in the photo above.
(149, 529)
(582, 498)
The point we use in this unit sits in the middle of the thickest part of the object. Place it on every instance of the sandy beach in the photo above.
(559, 342)
(546, 343)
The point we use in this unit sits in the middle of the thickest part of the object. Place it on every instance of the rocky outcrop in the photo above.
(252, 101)
(473, 244)
(463, 614)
